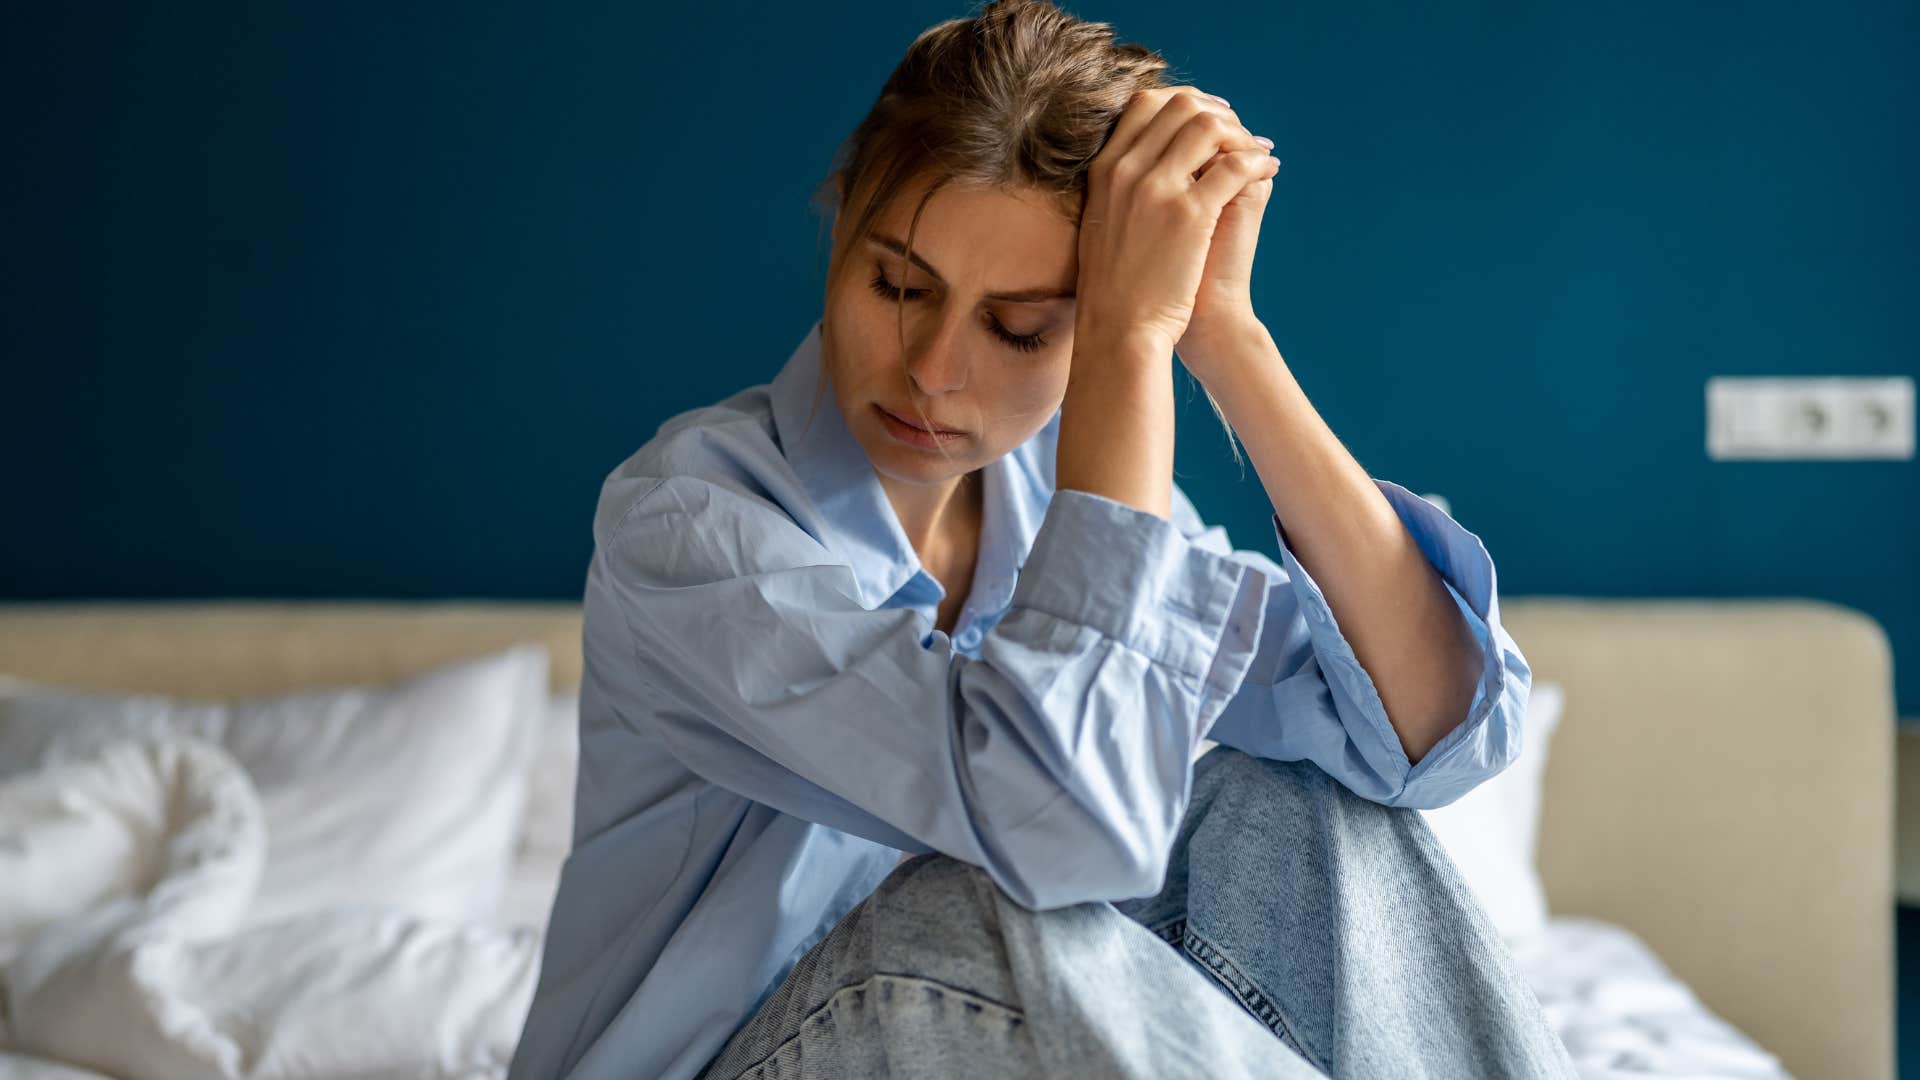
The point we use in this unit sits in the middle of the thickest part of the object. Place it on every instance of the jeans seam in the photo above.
(975, 1002)
(958, 990)
(1249, 993)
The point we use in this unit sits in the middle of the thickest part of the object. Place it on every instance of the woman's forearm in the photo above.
(1390, 602)
(1116, 422)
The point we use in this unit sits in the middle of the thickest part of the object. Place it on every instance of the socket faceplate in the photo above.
(1820, 417)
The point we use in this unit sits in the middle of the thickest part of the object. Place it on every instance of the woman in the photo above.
(890, 703)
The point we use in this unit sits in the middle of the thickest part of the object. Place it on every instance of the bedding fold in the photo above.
(126, 879)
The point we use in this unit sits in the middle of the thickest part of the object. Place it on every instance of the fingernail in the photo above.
(1263, 141)
(1218, 98)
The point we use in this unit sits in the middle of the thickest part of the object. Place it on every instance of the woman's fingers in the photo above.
(1234, 171)
(1140, 111)
(1199, 139)
(1149, 126)
(1221, 156)
(1149, 148)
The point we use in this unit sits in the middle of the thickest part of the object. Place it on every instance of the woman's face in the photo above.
(989, 333)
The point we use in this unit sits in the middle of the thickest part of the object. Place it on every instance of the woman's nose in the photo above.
(939, 364)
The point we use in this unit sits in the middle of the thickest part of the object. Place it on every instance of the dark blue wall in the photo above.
(338, 300)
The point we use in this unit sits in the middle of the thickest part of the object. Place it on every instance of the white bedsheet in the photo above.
(1622, 1014)
(22, 1067)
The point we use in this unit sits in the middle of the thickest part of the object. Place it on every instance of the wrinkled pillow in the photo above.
(1490, 831)
(406, 796)
(156, 982)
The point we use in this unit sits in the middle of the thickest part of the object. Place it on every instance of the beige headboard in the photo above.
(1721, 784)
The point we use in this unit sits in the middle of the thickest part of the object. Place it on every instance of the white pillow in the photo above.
(546, 833)
(407, 795)
(1490, 831)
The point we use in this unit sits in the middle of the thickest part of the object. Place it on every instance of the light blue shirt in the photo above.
(768, 717)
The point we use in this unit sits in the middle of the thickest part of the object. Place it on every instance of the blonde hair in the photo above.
(1020, 95)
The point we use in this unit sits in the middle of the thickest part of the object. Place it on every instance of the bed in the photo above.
(1715, 830)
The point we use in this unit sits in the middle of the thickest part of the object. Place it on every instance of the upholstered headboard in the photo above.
(1721, 782)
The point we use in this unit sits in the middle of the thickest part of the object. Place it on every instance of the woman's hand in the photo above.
(1149, 271)
(1223, 308)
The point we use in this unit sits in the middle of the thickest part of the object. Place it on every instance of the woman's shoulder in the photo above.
(714, 461)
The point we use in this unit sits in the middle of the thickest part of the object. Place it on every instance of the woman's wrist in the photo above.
(1212, 351)
(1111, 341)
(1116, 421)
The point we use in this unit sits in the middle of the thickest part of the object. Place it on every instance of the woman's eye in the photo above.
(1020, 342)
(890, 291)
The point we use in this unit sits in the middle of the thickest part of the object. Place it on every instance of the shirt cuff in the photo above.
(1133, 577)
(1487, 739)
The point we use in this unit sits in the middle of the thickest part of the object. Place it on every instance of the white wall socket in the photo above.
(1817, 417)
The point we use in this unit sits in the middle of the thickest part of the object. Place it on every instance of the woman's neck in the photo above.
(939, 520)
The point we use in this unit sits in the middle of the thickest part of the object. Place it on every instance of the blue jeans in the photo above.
(1301, 931)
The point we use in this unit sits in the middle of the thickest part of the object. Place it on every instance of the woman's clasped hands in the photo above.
(1166, 244)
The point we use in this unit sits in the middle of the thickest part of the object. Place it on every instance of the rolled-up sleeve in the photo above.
(1059, 760)
(1306, 696)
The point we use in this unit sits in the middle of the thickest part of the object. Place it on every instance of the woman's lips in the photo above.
(912, 434)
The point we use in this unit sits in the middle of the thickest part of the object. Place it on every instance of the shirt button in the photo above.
(969, 637)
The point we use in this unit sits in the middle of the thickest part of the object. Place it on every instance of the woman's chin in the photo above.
(915, 465)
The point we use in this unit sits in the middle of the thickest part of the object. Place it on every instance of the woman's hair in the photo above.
(1020, 95)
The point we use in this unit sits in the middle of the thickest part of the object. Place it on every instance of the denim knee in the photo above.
(934, 883)
(937, 917)
(1293, 793)
(1289, 782)
(934, 902)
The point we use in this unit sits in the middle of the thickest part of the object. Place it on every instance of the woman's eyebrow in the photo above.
(1021, 296)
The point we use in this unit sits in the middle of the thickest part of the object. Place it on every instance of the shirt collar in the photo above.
(858, 523)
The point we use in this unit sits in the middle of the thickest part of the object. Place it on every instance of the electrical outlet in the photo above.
(1818, 417)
